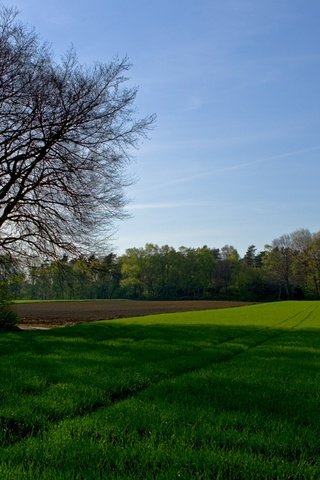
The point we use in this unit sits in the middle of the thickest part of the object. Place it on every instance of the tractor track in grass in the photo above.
(20, 431)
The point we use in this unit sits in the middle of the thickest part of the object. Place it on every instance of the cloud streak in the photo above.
(239, 166)
(165, 205)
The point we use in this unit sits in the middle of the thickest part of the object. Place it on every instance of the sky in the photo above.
(234, 154)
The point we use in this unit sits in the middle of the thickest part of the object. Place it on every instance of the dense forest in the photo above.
(288, 268)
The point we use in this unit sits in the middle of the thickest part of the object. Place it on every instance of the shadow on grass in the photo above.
(48, 376)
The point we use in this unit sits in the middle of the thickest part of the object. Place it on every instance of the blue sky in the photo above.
(235, 84)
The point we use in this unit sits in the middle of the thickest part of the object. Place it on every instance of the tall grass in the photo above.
(223, 394)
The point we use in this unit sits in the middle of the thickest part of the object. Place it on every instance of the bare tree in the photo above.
(66, 133)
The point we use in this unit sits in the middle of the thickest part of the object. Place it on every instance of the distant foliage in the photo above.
(152, 272)
(289, 268)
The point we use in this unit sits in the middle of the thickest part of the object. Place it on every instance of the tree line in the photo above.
(288, 268)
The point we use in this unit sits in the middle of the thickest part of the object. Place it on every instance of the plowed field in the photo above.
(63, 313)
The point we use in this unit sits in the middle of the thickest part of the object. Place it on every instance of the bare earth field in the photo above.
(64, 313)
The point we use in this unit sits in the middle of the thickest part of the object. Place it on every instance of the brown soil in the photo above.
(63, 313)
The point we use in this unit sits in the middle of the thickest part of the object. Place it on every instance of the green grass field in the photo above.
(223, 394)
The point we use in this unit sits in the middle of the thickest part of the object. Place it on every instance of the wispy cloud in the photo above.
(165, 205)
(194, 102)
(237, 166)
(166, 143)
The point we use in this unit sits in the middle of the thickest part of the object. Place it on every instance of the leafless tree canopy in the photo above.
(65, 135)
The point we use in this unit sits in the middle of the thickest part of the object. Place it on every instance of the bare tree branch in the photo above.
(66, 133)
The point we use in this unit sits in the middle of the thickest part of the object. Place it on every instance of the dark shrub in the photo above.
(8, 318)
